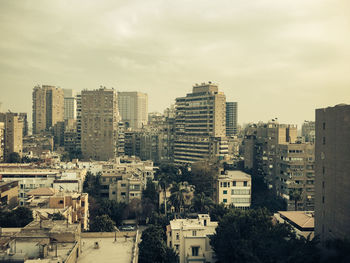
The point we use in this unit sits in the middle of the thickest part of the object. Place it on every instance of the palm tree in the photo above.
(178, 192)
(296, 195)
(201, 203)
(164, 184)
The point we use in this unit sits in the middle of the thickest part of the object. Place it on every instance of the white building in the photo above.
(70, 104)
(190, 238)
(234, 188)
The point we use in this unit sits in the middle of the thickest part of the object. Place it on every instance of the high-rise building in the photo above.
(133, 108)
(99, 124)
(200, 125)
(70, 104)
(24, 118)
(2, 140)
(295, 175)
(78, 138)
(13, 133)
(308, 131)
(332, 180)
(231, 118)
(48, 107)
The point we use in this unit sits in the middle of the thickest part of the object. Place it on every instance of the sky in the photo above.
(275, 58)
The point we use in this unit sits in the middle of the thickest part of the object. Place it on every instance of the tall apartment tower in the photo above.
(70, 104)
(308, 131)
(200, 125)
(48, 107)
(99, 124)
(231, 118)
(12, 133)
(332, 180)
(133, 109)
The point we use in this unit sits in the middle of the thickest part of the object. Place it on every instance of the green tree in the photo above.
(295, 194)
(201, 203)
(203, 177)
(251, 236)
(92, 184)
(102, 223)
(164, 183)
(153, 247)
(111, 208)
(177, 197)
(217, 212)
(18, 217)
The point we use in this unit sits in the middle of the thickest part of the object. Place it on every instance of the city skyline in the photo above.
(291, 56)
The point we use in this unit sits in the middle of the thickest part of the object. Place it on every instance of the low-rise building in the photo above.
(8, 194)
(303, 222)
(190, 238)
(234, 188)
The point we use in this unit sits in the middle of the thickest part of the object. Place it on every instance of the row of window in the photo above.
(234, 183)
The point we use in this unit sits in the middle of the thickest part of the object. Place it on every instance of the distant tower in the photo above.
(70, 104)
(133, 108)
(12, 133)
(231, 118)
(99, 124)
(48, 107)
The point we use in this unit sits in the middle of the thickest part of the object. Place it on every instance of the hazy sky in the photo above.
(277, 58)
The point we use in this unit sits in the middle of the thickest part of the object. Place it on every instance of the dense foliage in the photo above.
(153, 247)
(102, 223)
(18, 217)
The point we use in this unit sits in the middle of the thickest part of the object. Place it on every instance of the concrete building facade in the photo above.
(234, 188)
(13, 134)
(190, 238)
(332, 181)
(99, 124)
(200, 125)
(308, 131)
(133, 108)
(48, 107)
(70, 104)
(231, 118)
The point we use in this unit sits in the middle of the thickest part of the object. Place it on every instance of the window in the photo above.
(225, 184)
(225, 192)
(324, 140)
(195, 251)
(123, 185)
(60, 202)
(224, 200)
(234, 183)
(324, 126)
(176, 247)
(177, 236)
(245, 183)
(194, 233)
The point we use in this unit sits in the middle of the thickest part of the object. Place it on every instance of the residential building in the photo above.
(133, 108)
(231, 118)
(42, 241)
(190, 238)
(8, 194)
(308, 131)
(13, 134)
(332, 181)
(44, 202)
(70, 104)
(99, 124)
(2, 141)
(200, 125)
(79, 121)
(295, 175)
(48, 107)
(234, 188)
(302, 222)
(24, 118)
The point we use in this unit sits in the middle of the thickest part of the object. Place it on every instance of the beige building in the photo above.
(332, 181)
(295, 173)
(44, 202)
(190, 238)
(234, 188)
(200, 125)
(13, 133)
(302, 222)
(48, 107)
(99, 124)
(133, 108)
(8, 194)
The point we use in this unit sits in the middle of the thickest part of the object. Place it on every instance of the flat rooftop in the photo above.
(239, 175)
(108, 251)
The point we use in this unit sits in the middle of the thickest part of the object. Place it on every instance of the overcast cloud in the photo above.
(277, 58)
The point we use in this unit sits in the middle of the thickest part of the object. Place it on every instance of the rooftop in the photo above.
(300, 218)
(238, 175)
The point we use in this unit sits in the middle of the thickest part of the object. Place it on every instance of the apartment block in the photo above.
(13, 134)
(200, 125)
(99, 124)
(295, 174)
(332, 181)
(48, 107)
(234, 188)
(8, 194)
(308, 131)
(133, 108)
(70, 104)
(231, 118)
(190, 238)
